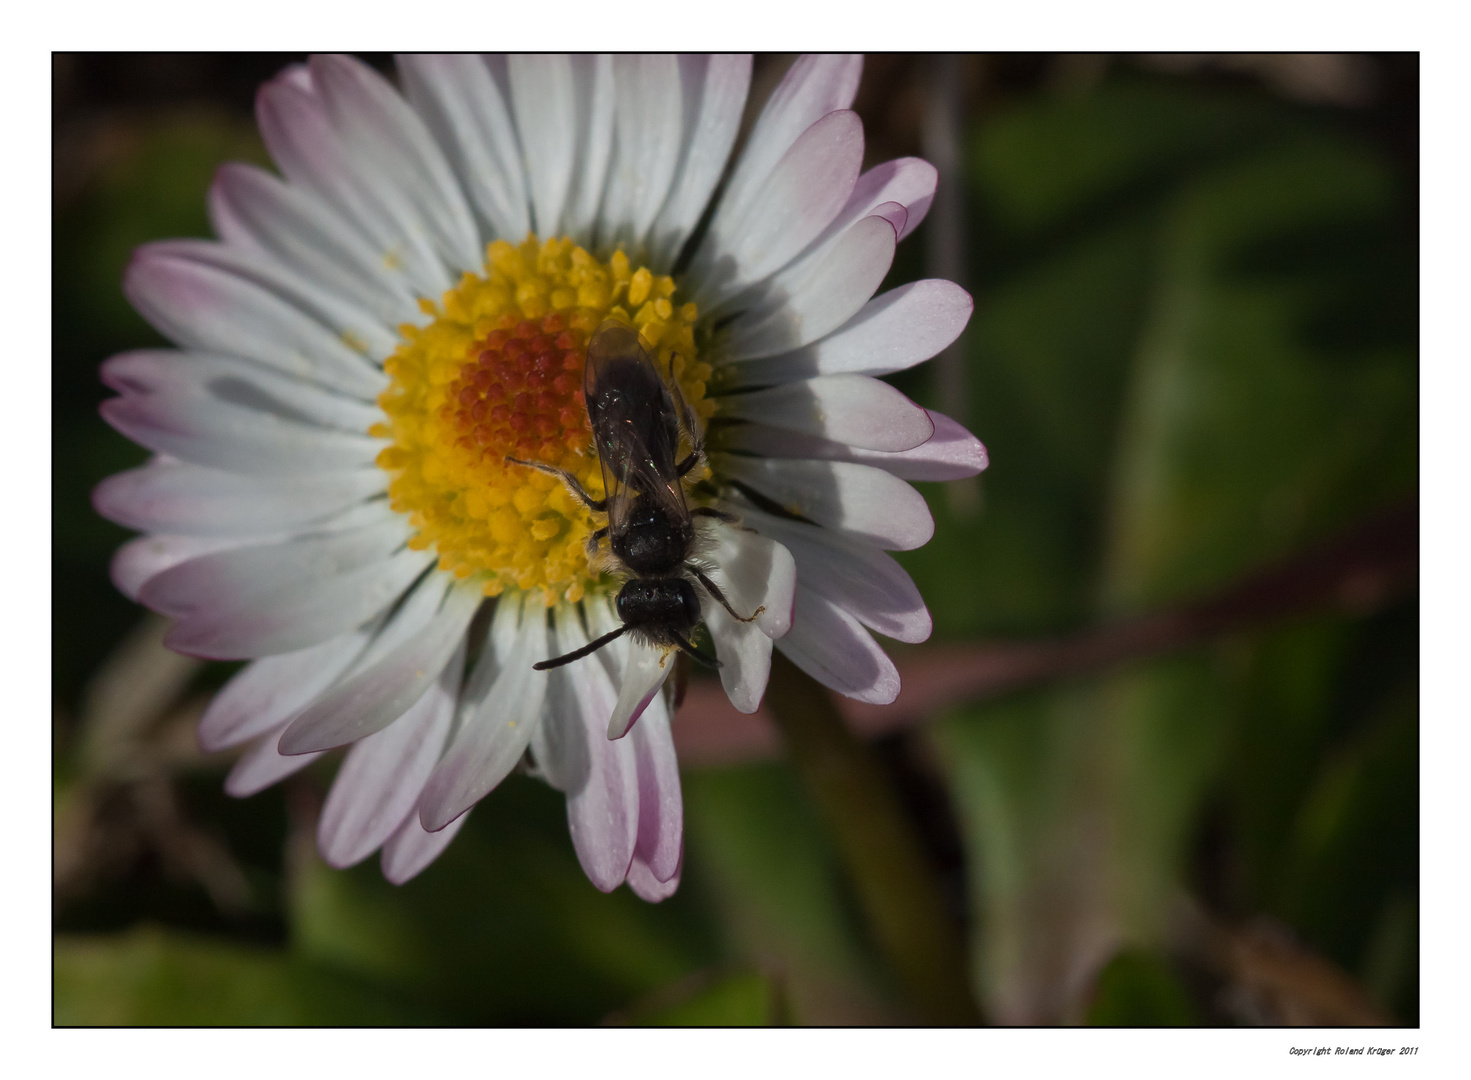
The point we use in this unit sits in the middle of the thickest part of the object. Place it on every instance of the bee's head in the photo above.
(657, 606)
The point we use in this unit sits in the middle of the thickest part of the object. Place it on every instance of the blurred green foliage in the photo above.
(1193, 352)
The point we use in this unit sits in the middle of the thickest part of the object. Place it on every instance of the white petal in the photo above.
(173, 497)
(950, 454)
(600, 777)
(387, 686)
(744, 653)
(646, 886)
(544, 102)
(410, 849)
(853, 409)
(382, 776)
(268, 692)
(813, 87)
(650, 131)
(643, 675)
(892, 332)
(828, 644)
(593, 77)
(309, 150)
(255, 210)
(796, 202)
(908, 183)
(397, 156)
(278, 570)
(145, 557)
(714, 95)
(356, 326)
(261, 766)
(858, 577)
(756, 574)
(859, 499)
(201, 306)
(463, 107)
(498, 716)
(231, 415)
(815, 295)
(660, 801)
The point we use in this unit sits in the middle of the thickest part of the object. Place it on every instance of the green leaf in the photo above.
(151, 976)
(1158, 374)
(745, 999)
(754, 838)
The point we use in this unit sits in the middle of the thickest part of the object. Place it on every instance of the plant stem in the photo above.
(896, 886)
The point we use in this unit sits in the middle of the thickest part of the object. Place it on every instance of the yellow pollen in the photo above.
(499, 373)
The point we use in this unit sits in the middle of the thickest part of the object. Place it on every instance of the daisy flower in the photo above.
(408, 304)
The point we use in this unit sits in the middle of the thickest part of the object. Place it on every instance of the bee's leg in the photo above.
(690, 423)
(592, 540)
(714, 590)
(598, 505)
(685, 646)
(720, 515)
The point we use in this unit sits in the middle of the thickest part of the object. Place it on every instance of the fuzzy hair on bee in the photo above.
(638, 420)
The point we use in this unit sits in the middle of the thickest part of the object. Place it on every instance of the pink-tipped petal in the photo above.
(382, 776)
(643, 675)
(255, 210)
(660, 801)
(815, 296)
(202, 306)
(173, 497)
(951, 453)
(858, 577)
(410, 849)
(310, 152)
(499, 713)
(858, 499)
(143, 558)
(829, 644)
(268, 692)
(813, 87)
(796, 202)
(373, 698)
(853, 409)
(600, 777)
(226, 414)
(370, 336)
(647, 886)
(397, 157)
(263, 765)
(892, 332)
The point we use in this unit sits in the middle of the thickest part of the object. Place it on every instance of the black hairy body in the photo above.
(636, 422)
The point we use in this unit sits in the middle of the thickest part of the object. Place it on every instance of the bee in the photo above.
(636, 423)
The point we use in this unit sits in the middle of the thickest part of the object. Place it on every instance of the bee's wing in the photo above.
(634, 425)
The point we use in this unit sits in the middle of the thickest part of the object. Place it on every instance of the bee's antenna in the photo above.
(578, 654)
(708, 661)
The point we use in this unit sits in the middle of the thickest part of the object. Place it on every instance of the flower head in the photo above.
(385, 334)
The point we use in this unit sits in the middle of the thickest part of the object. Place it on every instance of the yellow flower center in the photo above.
(499, 373)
